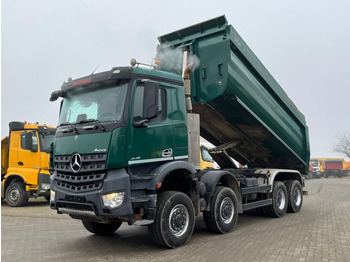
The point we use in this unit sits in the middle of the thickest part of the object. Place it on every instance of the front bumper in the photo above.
(89, 204)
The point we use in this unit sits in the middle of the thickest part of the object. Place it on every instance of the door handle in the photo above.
(20, 163)
(167, 152)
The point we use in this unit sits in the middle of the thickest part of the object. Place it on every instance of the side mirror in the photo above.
(56, 94)
(150, 100)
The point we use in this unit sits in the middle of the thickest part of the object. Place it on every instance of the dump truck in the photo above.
(336, 167)
(25, 161)
(333, 167)
(126, 148)
(317, 168)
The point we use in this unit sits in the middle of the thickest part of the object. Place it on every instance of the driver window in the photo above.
(34, 139)
(205, 155)
(138, 105)
(138, 102)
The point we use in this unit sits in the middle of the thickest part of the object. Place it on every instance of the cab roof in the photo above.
(16, 125)
(115, 74)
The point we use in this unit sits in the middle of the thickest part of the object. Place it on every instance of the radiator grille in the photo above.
(79, 183)
(88, 178)
(94, 162)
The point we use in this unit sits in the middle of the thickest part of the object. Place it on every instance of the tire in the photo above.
(223, 214)
(279, 205)
(16, 195)
(295, 196)
(101, 229)
(174, 222)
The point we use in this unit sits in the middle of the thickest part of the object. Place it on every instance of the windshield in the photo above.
(46, 139)
(205, 155)
(104, 104)
(314, 163)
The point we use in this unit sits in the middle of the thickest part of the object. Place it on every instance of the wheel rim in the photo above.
(281, 199)
(297, 196)
(178, 220)
(14, 194)
(227, 210)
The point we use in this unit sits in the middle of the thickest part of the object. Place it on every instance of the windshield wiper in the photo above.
(95, 121)
(64, 124)
(69, 129)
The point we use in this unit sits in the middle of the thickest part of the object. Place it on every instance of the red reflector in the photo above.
(82, 82)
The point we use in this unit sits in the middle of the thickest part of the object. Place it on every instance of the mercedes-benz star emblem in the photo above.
(76, 163)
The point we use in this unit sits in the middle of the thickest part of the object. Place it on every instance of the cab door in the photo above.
(29, 156)
(150, 140)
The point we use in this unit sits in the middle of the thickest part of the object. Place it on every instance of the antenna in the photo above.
(95, 69)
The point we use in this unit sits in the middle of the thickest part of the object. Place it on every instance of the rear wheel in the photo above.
(174, 222)
(295, 196)
(223, 215)
(101, 229)
(279, 205)
(16, 194)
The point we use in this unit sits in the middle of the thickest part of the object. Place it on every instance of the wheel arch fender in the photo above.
(9, 179)
(163, 170)
(284, 175)
(177, 176)
(214, 177)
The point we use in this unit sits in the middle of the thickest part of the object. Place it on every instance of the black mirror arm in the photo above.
(141, 123)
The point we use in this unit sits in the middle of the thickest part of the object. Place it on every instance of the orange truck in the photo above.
(346, 167)
(25, 156)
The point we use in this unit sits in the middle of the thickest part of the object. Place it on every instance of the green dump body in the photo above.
(239, 102)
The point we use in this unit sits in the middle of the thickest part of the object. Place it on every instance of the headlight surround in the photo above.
(113, 200)
(52, 195)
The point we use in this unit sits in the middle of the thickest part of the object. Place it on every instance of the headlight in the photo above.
(52, 196)
(113, 200)
(45, 186)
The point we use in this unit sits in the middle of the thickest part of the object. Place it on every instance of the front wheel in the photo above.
(174, 222)
(101, 229)
(295, 196)
(16, 195)
(223, 215)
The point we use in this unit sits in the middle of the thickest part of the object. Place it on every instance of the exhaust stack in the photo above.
(186, 70)
(193, 123)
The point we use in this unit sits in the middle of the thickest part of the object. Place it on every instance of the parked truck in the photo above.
(346, 168)
(327, 167)
(333, 167)
(336, 167)
(126, 148)
(317, 168)
(25, 162)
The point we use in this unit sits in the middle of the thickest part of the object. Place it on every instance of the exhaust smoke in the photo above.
(171, 59)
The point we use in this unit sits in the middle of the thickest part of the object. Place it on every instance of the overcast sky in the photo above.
(304, 44)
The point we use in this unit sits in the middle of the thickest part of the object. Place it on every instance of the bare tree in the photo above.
(343, 144)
